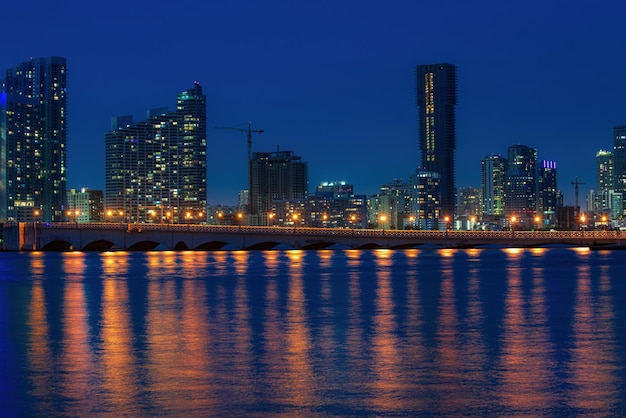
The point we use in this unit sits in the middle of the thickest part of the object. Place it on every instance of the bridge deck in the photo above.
(111, 236)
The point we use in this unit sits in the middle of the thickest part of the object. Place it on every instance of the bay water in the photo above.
(516, 332)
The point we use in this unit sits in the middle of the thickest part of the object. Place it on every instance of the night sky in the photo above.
(334, 82)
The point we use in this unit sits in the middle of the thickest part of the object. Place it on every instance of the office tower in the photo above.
(33, 139)
(520, 188)
(493, 180)
(425, 195)
(619, 159)
(156, 169)
(436, 99)
(604, 178)
(546, 193)
(275, 176)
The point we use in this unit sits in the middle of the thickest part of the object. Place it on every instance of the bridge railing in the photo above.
(329, 232)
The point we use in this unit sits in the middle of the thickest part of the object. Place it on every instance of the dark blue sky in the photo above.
(333, 81)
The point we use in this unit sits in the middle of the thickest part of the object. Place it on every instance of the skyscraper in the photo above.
(156, 169)
(274, 176)
(619, 159)
(521, 186)
(604, 178)
(436, 99)
(33, 139)
(547, 192)
(493, 174)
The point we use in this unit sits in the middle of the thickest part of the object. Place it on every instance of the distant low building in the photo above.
(85, 205)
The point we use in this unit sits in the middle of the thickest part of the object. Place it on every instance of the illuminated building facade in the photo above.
(436, 99)
(619, 161)
(85, 205)
(547, 201)
(275, 176)
(521, 186)
(156, 169)
(33, 141)
(470, 202)
(493, 181)
(605, 180)
(425, 192)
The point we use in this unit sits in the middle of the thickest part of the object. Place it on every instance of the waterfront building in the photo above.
(425, 195)
(275, 176)
(470, 202)
(156, 169)
(604, 179)
(619, 158)
(33, 141)
(493, 179)
(85, 205)
(547, 202)
(436, 99)
(521, 186)
(334, 205)
(392, 204)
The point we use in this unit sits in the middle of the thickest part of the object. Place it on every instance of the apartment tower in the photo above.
(33, 141)
(436, 100)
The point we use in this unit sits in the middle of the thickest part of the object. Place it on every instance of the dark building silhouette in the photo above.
(33, 140)
(275, 176)
(156, 169)
(436, 99)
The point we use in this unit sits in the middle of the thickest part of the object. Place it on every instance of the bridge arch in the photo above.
(143, 246)
(57, 245)
(99, 245)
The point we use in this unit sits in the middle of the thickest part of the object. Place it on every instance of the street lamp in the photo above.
(446, 220)
(412, 221)
(537, 221)
(383, 219)
(219, 218)
(294, 217)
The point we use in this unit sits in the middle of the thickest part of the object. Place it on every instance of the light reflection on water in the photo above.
(473, 332)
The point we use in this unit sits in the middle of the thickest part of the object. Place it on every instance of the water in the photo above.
(536, 332)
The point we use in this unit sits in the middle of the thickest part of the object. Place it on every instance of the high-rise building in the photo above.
(619, 160)
(156, 169)
(33, 140)
(493, 178)
(547, 201)
(275, 176)
(436, 99)
(604, 178)
(521, 185)
(425, 194)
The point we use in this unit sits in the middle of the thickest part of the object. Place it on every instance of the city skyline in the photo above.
(335, 83)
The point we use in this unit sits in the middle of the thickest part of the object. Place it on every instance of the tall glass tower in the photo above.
(436, 99)
(605, 179)
(493, 178)
(156, 169)
(521, 185)
(619, 158)
(33, 140)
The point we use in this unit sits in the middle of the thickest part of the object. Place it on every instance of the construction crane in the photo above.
(577, 183)
(250, 131)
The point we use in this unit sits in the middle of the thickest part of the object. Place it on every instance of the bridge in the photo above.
(67, 236)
